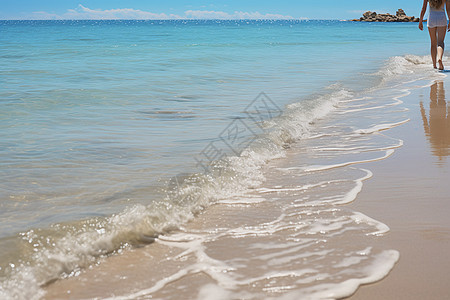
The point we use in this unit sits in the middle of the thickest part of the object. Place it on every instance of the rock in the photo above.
(400, 13)
(400, 16)
(369, 14)
(390, 19)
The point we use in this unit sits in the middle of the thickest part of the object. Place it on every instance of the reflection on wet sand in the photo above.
(437, 124)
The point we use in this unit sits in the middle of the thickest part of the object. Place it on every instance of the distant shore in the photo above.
(400, 16)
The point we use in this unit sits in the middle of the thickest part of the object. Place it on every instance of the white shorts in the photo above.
(437, 19)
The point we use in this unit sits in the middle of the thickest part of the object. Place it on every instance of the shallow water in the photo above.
(290, 237)
(99, 117)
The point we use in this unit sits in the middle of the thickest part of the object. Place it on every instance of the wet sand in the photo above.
(410, 192)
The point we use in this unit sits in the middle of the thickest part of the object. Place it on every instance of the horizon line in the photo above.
(302, 19)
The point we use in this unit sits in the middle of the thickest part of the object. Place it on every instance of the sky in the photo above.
(200, 9)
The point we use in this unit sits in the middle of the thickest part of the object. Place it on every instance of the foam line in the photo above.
(353, 193)
(326, 167)
(362, 109)
(378, 269)
(362, 218)
(301, 188)
(381, 127)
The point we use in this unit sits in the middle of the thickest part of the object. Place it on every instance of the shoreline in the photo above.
(298, 223)
(409, 192)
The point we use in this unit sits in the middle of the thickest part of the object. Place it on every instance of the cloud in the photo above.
(85, 13)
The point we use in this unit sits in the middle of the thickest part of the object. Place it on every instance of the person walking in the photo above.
(437, 27)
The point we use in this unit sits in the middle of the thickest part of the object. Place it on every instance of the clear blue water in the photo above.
(95, 115)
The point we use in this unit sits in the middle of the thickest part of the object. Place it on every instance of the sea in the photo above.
(226, 151)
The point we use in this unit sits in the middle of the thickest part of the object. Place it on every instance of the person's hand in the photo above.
(421, 25)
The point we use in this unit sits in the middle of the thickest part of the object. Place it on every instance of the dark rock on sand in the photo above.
(400, 16)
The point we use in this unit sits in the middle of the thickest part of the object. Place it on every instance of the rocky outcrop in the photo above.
(400, 16)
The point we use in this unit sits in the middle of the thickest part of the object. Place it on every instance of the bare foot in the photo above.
(441, 65)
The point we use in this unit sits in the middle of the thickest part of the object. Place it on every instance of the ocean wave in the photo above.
(401, 68)
(64, 249)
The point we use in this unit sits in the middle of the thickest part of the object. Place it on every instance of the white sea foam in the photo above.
(376, 271)
(348, 163)
(409, 68)
(285, 265)
(380, 127)
(242, 200)
(350, 196)
(381, 228)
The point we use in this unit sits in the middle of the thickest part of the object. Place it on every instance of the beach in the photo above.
(181, 165)
(410, 192)
(400, 211)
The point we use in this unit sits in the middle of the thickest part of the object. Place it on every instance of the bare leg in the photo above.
(433, 40)
(441, 31)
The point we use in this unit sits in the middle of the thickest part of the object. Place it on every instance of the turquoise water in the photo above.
(97, 116)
